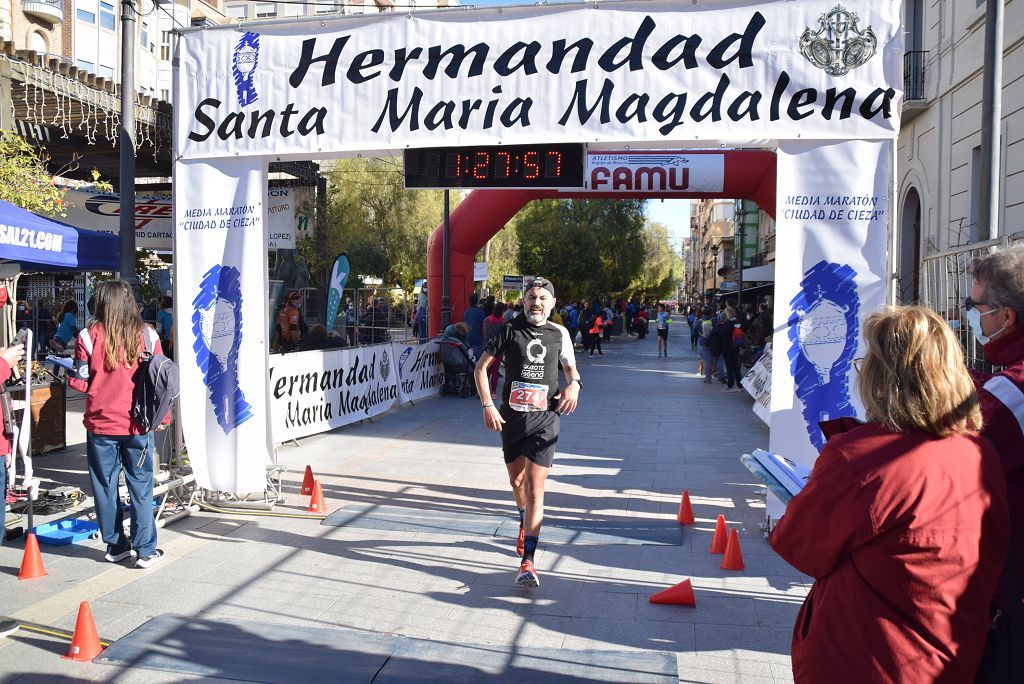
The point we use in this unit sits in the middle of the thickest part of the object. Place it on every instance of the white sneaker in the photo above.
(150, 561)
(118, 557)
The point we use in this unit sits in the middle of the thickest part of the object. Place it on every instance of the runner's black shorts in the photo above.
(663, 332)
(531, 434)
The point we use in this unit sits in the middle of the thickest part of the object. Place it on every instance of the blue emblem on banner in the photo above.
(244, 61)
(401, 360)
(823, 341)
(217, 326)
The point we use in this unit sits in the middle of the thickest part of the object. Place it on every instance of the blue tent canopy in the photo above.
(42, 244)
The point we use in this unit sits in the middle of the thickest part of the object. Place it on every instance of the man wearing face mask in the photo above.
(532, 406)
(995, 313)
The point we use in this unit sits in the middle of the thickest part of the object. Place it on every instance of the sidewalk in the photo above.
(415, 485)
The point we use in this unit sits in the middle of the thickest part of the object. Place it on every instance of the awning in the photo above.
(42, 244)
(760, 274)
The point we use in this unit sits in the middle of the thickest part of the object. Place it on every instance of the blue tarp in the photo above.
(42, 244)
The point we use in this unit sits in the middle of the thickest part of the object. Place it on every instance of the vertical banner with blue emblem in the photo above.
(339, 276)
(221, 287)
(831, 237)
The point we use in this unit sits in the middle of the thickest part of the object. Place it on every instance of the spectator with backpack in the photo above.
(709, 343)
(727, 330)
(107, 355)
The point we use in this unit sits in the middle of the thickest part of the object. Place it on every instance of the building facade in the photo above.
(938, 168)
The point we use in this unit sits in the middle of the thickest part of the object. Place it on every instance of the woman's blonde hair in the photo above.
(914, 374)
(118, 313)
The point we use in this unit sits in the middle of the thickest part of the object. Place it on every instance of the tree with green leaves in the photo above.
(382, 226)
(24, 178)
(588, 247)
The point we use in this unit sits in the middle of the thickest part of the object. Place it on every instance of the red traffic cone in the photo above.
(307, 482)
(685, 515)
(721, 537)
(32, 561)
(316, 501)
(679, 595)
(733, 554)
(85, 645)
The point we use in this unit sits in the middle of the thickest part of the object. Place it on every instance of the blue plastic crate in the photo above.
(66, 531)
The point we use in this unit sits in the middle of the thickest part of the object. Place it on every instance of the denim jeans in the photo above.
(705, 356)
(3, 492)
(107, 454)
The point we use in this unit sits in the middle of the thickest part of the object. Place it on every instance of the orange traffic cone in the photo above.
(679, 595)
(685, 515)
(316, 501)
(307, 482)
(85, 644)
(733, 554)
(32, 561)
(721, 537)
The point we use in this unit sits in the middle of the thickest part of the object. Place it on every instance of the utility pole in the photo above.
(991, 121)
(126, 143)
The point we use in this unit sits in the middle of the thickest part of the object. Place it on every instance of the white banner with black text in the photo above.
(636, 72)
(315, 391)
(831, 228)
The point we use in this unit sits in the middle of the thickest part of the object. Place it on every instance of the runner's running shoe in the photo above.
(527, 576)
(521, 542)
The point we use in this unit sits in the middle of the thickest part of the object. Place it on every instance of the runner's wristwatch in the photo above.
(578, 382)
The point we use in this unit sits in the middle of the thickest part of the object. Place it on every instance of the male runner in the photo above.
(532, 405)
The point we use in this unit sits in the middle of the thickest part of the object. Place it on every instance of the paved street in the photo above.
(647, 428)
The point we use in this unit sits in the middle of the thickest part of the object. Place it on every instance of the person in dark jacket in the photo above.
(995, 313)
(903, 523)
(730, 351)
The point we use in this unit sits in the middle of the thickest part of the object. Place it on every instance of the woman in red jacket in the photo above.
(106, 358)
(903, 523)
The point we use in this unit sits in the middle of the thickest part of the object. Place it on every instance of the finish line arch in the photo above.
(749, 174)
(816, 81)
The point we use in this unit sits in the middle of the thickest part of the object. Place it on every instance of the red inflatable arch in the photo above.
(749, 174)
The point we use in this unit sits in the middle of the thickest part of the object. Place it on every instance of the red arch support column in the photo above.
(749, 174)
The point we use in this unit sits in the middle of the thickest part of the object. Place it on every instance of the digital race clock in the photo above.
(496, 166)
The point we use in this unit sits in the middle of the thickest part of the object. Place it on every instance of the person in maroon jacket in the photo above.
(8, 357)
(903, 523)
(106, 358)
(995, 312)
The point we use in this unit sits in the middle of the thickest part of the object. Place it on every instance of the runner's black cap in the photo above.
(540, 282)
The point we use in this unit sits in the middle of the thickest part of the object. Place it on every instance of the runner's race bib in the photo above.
(527, 397)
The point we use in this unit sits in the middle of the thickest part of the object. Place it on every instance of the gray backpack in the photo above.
(156, 387)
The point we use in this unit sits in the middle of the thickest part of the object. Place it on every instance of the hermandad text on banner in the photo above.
(781, 69)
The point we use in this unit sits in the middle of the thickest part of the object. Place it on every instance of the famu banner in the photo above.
(831, 242)
(316, 391)
(220, 289)
(420, 371)
(655, 71)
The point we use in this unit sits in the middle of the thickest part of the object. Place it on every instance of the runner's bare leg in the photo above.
(535, 478)
(517, 478)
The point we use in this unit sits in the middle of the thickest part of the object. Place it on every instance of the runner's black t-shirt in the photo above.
(531, 354)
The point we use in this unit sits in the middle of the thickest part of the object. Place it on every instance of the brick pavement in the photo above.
(646, 429)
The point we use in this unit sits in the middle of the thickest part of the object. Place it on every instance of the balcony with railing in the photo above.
(47, 10)
(915, 99)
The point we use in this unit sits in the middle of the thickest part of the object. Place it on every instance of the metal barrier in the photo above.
(376, 316)
(946, 281)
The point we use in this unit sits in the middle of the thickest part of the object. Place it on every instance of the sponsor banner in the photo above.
(479, 271)
(758, 383)
(339, 276)
(631, 72)
(655, 172)
(420, 371)
(512, 282)
(220, 286)
(831, 223)
(154, 224)
(312, 392)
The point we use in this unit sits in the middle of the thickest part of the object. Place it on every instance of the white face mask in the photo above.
(973, 317)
